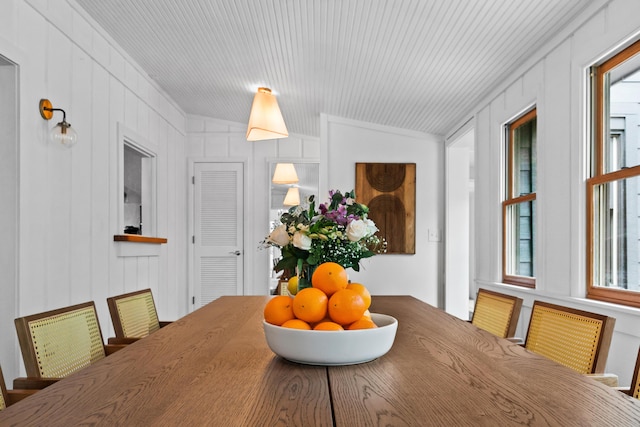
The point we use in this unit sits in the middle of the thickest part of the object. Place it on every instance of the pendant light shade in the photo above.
(285, 173)
(292, 198)
(265, 121)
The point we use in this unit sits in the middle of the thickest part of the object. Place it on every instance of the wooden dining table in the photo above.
(214, 368)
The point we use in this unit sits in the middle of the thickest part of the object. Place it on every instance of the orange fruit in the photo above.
(310, 305)
(367, 314)
(296, 324)
(330, 277)
(278, 310)
(328, 326)
(363, 291)
(362, 323)
(345, 306)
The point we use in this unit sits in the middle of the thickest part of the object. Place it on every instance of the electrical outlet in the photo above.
(434, 235)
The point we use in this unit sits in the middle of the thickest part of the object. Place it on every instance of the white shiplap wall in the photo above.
(219, 141)
(68, 199)
(346, 142)
(556, 83)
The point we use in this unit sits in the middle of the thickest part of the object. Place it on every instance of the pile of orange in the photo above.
(331, 304)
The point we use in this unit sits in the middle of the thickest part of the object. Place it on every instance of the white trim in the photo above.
(513, 75)
(137, 249)
(626, 316)
(139, 143)
(379, 128)
(467, 125)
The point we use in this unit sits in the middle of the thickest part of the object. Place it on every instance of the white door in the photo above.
(218, 231)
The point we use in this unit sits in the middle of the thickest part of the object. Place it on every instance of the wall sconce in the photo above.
(62, 132)
(265, 120)
(285, 173)
(293, 197)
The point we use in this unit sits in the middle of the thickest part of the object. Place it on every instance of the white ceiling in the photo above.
(414, 64)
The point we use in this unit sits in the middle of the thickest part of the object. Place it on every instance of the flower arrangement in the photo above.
(340, 231)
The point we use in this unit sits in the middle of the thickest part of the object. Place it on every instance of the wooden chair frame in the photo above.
(9, 397)
(140, 325)
(602, 342)
(35, 360)
(634, 390)
(4, 398)
(493, 321)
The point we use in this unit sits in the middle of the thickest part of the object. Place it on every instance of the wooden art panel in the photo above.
(389, 189)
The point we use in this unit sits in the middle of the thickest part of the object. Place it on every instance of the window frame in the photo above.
(599, 176)
(510, 199)
(139, 144)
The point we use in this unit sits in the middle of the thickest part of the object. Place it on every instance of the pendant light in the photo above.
(293, 197)
(265, 120)
(285, 173)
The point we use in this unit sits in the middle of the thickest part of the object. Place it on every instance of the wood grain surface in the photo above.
(389, 190)
(444, 371)
(214, 368)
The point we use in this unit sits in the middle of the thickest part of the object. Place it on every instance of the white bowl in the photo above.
(333, 348)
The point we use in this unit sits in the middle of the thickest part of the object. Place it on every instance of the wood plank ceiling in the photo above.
(413, 64)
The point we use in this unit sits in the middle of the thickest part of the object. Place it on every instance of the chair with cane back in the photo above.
(57, 343)
(496, 313)
(134, 316)
(575, 338)
(634, 389)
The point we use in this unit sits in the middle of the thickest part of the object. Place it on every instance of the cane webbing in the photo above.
(3, 404)
(635, 381)
(493, 313)
(66, 342)
(137, 315)
(3, 392)
(568, 338)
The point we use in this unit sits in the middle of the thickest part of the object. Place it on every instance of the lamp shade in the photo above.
(64, 134)
(265, 121)
(285, 173)
(292, 198)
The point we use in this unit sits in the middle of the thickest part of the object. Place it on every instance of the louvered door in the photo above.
(218, 226)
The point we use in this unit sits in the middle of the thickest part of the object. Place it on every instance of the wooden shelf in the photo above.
(134, 245)
(138, 239)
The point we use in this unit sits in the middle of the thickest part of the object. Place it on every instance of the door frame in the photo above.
(248, 255)
(458, 239)
(10, 212)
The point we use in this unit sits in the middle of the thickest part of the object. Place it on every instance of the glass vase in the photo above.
(304, 276)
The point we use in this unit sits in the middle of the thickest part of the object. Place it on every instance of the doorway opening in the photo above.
(8, 211)
(459, 230)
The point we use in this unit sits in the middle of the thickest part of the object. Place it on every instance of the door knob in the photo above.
(237, 253)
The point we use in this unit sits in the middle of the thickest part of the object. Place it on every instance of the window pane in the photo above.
(616, 234)
(622, 108)
(524, 158)
(520, 240)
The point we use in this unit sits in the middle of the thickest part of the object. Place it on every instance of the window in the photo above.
(138, 185)
(519, 206)
(613, 191)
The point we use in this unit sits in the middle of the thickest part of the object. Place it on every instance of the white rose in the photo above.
(371, 227)
(279, 236)
(301, 241)
(356, 230)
